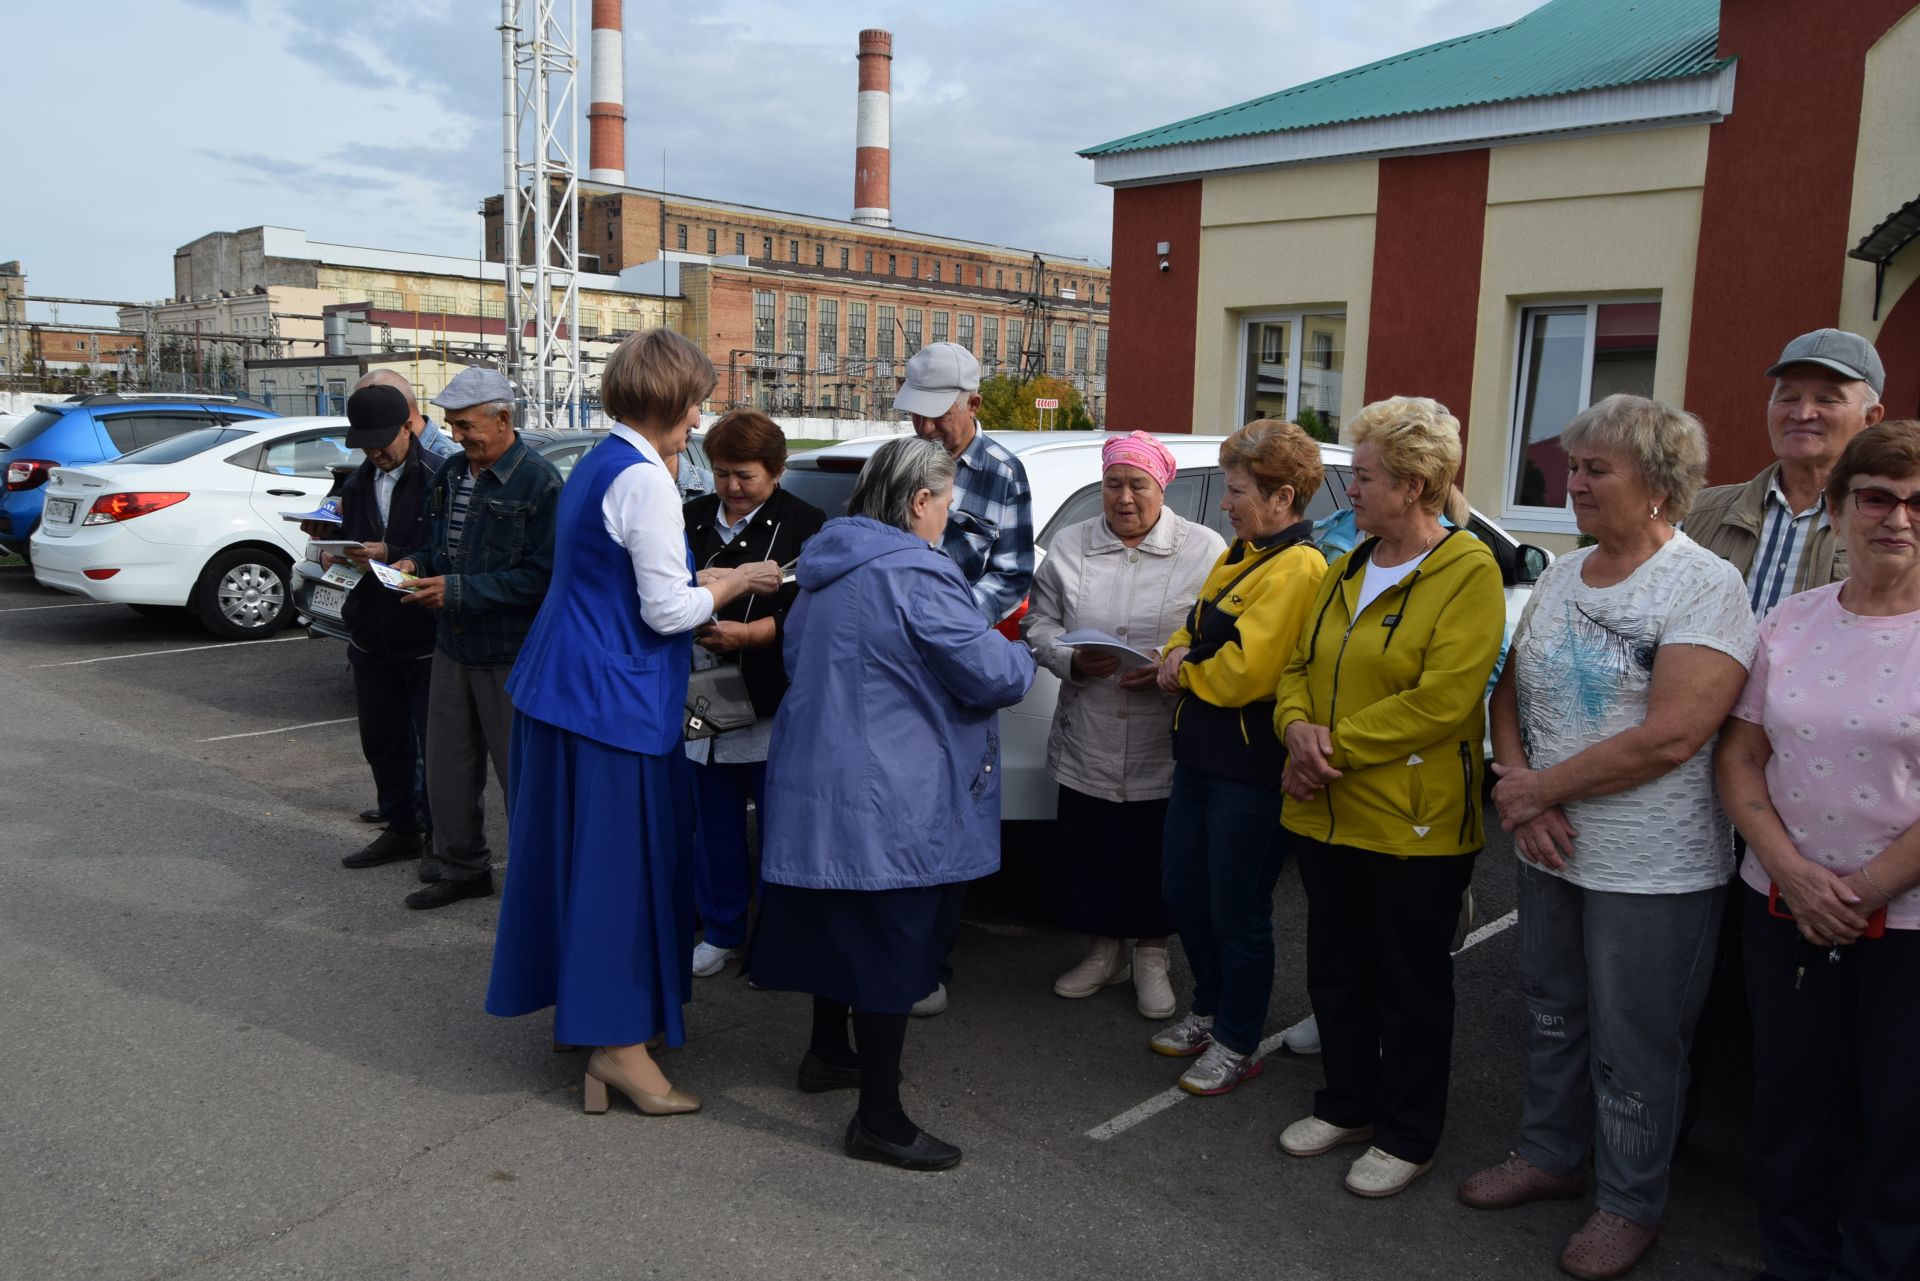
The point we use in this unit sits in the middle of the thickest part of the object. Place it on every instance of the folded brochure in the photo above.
(320, 514)
(1100, 642)
(391, 577)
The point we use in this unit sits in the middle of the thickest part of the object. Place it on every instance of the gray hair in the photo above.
(897, 471)
(1667, 446)
(390, 378)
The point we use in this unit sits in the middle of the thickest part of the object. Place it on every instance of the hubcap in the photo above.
(251, 595)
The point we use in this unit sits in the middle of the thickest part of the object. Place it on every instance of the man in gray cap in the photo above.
(990, 525)
(1774, 528)
(484, 564)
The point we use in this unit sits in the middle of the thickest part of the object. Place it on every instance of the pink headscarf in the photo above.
(1143, 451)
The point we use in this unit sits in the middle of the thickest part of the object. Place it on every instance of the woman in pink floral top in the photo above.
(1819, 768)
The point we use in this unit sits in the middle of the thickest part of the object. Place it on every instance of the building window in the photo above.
(1100, 353)
(829, 339)
(846, 257)
(1014, 349)
(680, 236)
(1017, 285)
(916, 323)
(913, 268)
(1570, 357)
(740, 243)
(941, 321)
(936, 271)
(1059, 362)
(763, 320)
(437, 304)
(989, 338)
(884, 348)
(893, 268)
(819, 255)
(869, 261)
(966, 332)
(1283, 381)
(979, 276)
(797, 324)
(385, 299)
(793, 251)
(713, 240)
(1079, 349)
(589, 323)
(856, 334)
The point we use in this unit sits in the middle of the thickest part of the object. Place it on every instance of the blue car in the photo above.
(92, 429)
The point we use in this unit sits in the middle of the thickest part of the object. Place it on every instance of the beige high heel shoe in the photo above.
(603, 1072)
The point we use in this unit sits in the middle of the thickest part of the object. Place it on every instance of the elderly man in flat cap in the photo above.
(483, 564)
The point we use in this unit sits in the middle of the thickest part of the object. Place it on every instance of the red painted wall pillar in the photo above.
(1150, 342)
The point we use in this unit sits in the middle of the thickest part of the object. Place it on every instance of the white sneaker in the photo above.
(1303, 1037)
(1152, 992)
(1378, 1174)
(709, 960)
(934, 1002)
(1310, 1136)
(1220, 1070)
(1104, 965)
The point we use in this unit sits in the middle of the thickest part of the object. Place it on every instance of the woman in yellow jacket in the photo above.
(1382, 716)
(1222, 852)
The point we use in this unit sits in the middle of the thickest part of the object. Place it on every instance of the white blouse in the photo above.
(642, 513)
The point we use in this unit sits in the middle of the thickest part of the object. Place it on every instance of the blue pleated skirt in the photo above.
(597, 915)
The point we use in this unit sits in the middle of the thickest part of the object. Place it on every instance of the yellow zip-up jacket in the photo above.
(1402, 688)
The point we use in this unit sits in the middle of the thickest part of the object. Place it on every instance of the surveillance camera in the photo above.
(1165, 265)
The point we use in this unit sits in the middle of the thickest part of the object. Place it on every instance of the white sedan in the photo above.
(193, 522)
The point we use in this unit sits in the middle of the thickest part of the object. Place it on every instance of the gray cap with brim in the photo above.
(475, 386)
(1846, 354)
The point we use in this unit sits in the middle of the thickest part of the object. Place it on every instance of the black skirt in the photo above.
(878, 951)
(1108, 861)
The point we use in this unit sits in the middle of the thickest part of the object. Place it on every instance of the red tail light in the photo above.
(109, 508)
(99, 575)
(26, 473)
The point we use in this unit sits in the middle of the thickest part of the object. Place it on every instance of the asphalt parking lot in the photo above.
(222, 1055)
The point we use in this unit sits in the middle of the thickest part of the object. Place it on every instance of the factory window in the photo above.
(856, 334)
(966, 332)
(884, 347)
(868, 256)
(740, 243)
(989, 338)
(916, 325)
(797, 324)
(1017, 285)
(979, 275)
(941, 323)
(1059, 363)
(1056, 285)
(491, 310)
(1013, 339)
(763, 320)
(829, 334)
(999, 278)
(1100, 352)
(713, 241)
(1079, 349)
(819, 255)
(846, 256)
(680, 236)
(385, 299)
(436, 304)
(589, 323)
(793, 251)
(1093, 291)
(766, 248)
(893, 265)
(936, 271)
(913, 268)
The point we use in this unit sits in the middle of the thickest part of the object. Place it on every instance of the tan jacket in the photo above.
(1108, 742)
(1727, 520)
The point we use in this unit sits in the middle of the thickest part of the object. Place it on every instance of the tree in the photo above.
(1312, 422)
(1006, 404)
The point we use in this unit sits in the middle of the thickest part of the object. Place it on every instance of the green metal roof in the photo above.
(1564, 46)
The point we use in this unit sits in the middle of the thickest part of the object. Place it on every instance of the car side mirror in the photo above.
(1532, 563)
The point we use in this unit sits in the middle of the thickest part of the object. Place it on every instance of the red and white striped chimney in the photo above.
(607, 109)
(873, 132)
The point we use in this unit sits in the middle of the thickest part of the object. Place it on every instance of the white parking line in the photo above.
(284, 729)
(79, 604)
(1167, 1098)
(184, 649)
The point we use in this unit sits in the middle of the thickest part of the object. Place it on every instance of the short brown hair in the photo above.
(1276, 453)
(654, 376)
(1417, 438)
(1885, 449)
(748, 436)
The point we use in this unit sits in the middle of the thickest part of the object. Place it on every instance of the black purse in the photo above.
(717, 701)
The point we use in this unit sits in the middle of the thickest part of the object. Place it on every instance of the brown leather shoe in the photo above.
(1607, 1247)
(1516, 1181)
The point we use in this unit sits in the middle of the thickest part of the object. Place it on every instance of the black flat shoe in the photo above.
(443, 892)
(388, 847)
(369, 816)
(924, 1153)
(817, 1076)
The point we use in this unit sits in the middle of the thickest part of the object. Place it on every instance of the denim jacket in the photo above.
(497, 579)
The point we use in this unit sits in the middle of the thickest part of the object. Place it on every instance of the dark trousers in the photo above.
(723, 879)
(390, 696)
(469, 724)
(1220, 859)
(1836, 1132)
(1380, 975)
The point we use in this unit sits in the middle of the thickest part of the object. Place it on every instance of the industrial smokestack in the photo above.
(873, 132)
(607, 111)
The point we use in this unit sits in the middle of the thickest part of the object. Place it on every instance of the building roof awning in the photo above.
(1891, 236)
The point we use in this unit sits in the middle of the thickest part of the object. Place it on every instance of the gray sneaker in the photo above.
(1184, 1039)
(1219, 1070)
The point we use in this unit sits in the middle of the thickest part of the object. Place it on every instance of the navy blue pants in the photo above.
(723, 878)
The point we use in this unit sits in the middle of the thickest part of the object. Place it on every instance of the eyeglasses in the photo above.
(1878, 504)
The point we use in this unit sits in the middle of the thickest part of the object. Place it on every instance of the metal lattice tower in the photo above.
(1033, 356)
(541, 97)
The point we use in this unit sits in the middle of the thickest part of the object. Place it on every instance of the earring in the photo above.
(1656, 511)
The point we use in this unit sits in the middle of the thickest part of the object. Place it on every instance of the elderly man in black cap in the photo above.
(390, 649)
(483, 564)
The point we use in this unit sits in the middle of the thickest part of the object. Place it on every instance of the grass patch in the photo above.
(797, 443)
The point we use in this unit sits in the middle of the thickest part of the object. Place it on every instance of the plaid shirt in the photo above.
(990, 526)
(1783, 540)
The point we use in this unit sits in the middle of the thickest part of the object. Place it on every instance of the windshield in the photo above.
(28, 428)
(185, 445)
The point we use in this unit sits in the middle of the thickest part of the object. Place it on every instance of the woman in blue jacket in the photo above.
(883, 786)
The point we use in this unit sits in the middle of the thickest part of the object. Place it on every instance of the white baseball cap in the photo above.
(937, 375)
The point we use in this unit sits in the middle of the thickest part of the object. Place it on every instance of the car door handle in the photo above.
(288, 493)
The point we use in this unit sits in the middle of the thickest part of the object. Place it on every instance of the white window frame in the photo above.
(1296, 336)
(1547, 520)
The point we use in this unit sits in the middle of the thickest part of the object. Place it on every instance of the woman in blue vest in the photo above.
(597, 917)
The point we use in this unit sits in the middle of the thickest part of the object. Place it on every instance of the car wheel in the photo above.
(243, 594)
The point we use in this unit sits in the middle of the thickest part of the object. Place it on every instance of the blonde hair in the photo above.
(1276, 453)
(654, 376)
(1667, 446)
(1417, 439)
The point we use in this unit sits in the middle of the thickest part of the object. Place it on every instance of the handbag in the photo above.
(717, 701)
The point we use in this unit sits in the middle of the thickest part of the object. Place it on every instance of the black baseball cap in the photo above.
(375, 416)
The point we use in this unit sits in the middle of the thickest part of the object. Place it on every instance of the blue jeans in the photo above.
(1220, 860)
(723, 877)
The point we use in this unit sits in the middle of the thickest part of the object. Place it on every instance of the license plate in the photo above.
(328, 600)
(62, 509)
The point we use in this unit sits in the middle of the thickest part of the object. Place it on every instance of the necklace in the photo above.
(1424, 549)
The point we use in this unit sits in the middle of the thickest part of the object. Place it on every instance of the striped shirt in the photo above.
(1775, 572)
(457, 512)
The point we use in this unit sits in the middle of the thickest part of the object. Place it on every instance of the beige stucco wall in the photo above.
(1884, 174)
(1285, 240)
(1612, 217)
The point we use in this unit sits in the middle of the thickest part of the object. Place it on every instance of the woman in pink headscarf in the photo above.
(1130, 572)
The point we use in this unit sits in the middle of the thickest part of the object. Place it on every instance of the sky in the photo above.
(378, 122)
